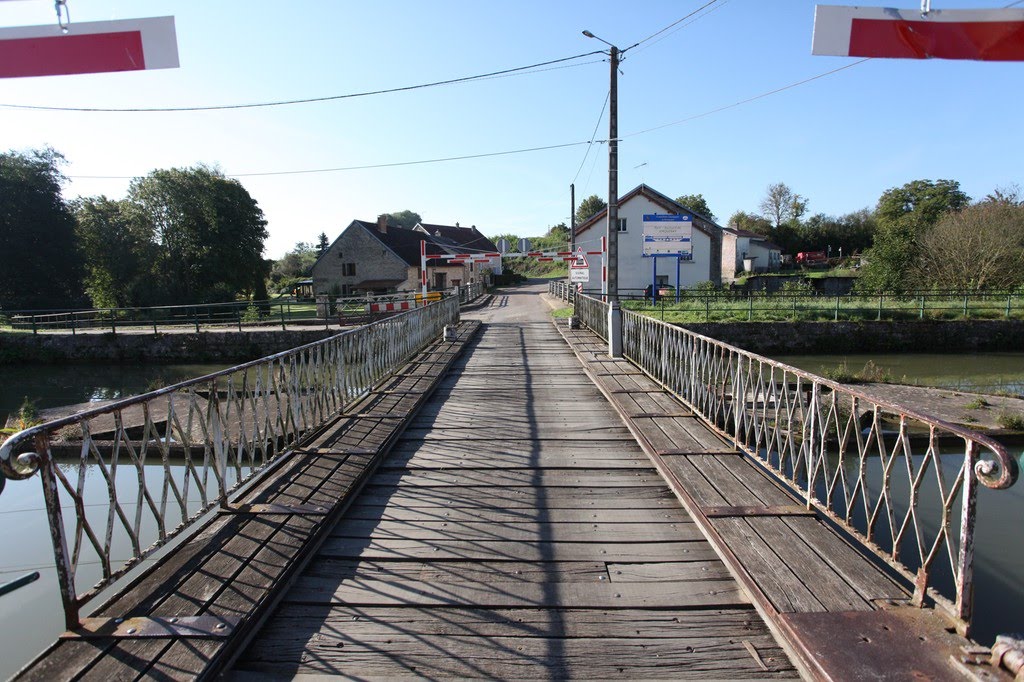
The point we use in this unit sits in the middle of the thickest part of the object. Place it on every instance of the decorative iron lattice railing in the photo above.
(903, 483)
(592, 314)
(123, 480)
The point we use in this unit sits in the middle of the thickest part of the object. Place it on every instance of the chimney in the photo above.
(382, 223)
(456, 224)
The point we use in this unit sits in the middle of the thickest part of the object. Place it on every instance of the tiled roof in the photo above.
(468, 238)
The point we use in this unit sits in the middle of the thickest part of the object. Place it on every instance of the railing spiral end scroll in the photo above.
(17, 466)
(999, 473)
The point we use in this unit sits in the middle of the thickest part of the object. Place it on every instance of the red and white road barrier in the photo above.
(88, 47)
(986, 35)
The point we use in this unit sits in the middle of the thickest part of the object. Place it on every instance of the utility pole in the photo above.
(613, 178)
(572, 225)
(612, 234)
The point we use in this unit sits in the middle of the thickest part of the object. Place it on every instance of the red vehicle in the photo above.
(811, 258)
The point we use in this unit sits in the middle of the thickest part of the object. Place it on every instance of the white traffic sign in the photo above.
(581, 260)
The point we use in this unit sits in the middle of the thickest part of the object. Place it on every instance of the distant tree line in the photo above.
(181, 235)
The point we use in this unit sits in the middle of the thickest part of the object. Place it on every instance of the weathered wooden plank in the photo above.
(869, 581)
(554, 658)
(686, 468)
(828, 587)
(497, 497)
(462, 571)
(596, 595)
(359, 548)
(528, 478)
(774, 578)
(553, 457)
(306, 621)
(398, 512)
(523, 531)
(757, 480)
(612, 432)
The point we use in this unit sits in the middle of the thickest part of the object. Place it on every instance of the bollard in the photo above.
(614, 330)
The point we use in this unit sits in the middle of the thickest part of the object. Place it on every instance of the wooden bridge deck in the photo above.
(546, 513)
(516, 530)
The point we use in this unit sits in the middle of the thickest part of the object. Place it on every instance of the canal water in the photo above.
(30, 618)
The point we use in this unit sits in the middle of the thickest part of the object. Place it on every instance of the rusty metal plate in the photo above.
(170, 627)
(757, 510)
(898, 644)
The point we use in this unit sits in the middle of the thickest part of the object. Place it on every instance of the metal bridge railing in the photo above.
(903, 483)
(123, 480)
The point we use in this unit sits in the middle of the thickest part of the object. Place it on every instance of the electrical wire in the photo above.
(600, 117)
(353, 168)
(674, 23)
(750, 99)
(329, 98)
(722, 4)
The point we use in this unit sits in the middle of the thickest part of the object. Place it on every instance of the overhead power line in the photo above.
(674, 23)
(750, 99)
(366, 167)
(597, 125)
(308, 100)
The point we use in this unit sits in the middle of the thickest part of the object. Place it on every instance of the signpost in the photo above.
(667, 236)
(986, 35)
(88, 47)
(579, 269)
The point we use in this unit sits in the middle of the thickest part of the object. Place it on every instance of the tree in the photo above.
(406, 219)
(980, 247)
(741, 220)
(1010, 195)
(904, 215)
(116, 253)
(37, 234)
(322, 244)
(697, 204)
(558, 233)
(923, 200)
(590, 206)
(295, 265)
(781, 205)
(209, 229)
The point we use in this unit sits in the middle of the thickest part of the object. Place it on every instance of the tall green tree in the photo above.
(588, 207)
(322, 244)
(37, 234)
(751, 222)
(210, 233)
(904, 215)
(117, 252)
(407, 219)
(696, 203)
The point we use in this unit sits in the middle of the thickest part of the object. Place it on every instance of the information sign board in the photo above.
(668, 235)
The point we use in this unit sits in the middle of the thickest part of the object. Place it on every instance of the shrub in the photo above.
(1012, 422)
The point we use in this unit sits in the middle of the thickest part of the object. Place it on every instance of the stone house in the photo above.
(465, 240)
(379, 258)
(636, 271)
(740, 245)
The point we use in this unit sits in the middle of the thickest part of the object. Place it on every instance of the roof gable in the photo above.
(468, 238)
(657, 198)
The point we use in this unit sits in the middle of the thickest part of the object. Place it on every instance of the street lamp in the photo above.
(614, 314)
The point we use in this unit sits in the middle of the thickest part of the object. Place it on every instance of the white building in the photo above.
(747, 252)
(636, 272)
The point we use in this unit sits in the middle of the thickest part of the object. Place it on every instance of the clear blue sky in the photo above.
(840, 141)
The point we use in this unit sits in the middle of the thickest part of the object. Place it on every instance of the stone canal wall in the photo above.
(779, 338)
(211, 346)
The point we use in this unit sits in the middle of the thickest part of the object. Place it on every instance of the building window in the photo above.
(622, 224)
(348, 269)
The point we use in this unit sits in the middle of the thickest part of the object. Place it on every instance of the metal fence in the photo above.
(563, 290)
(903, 483)
(237, 314)
(737, 306)
(122, 480)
